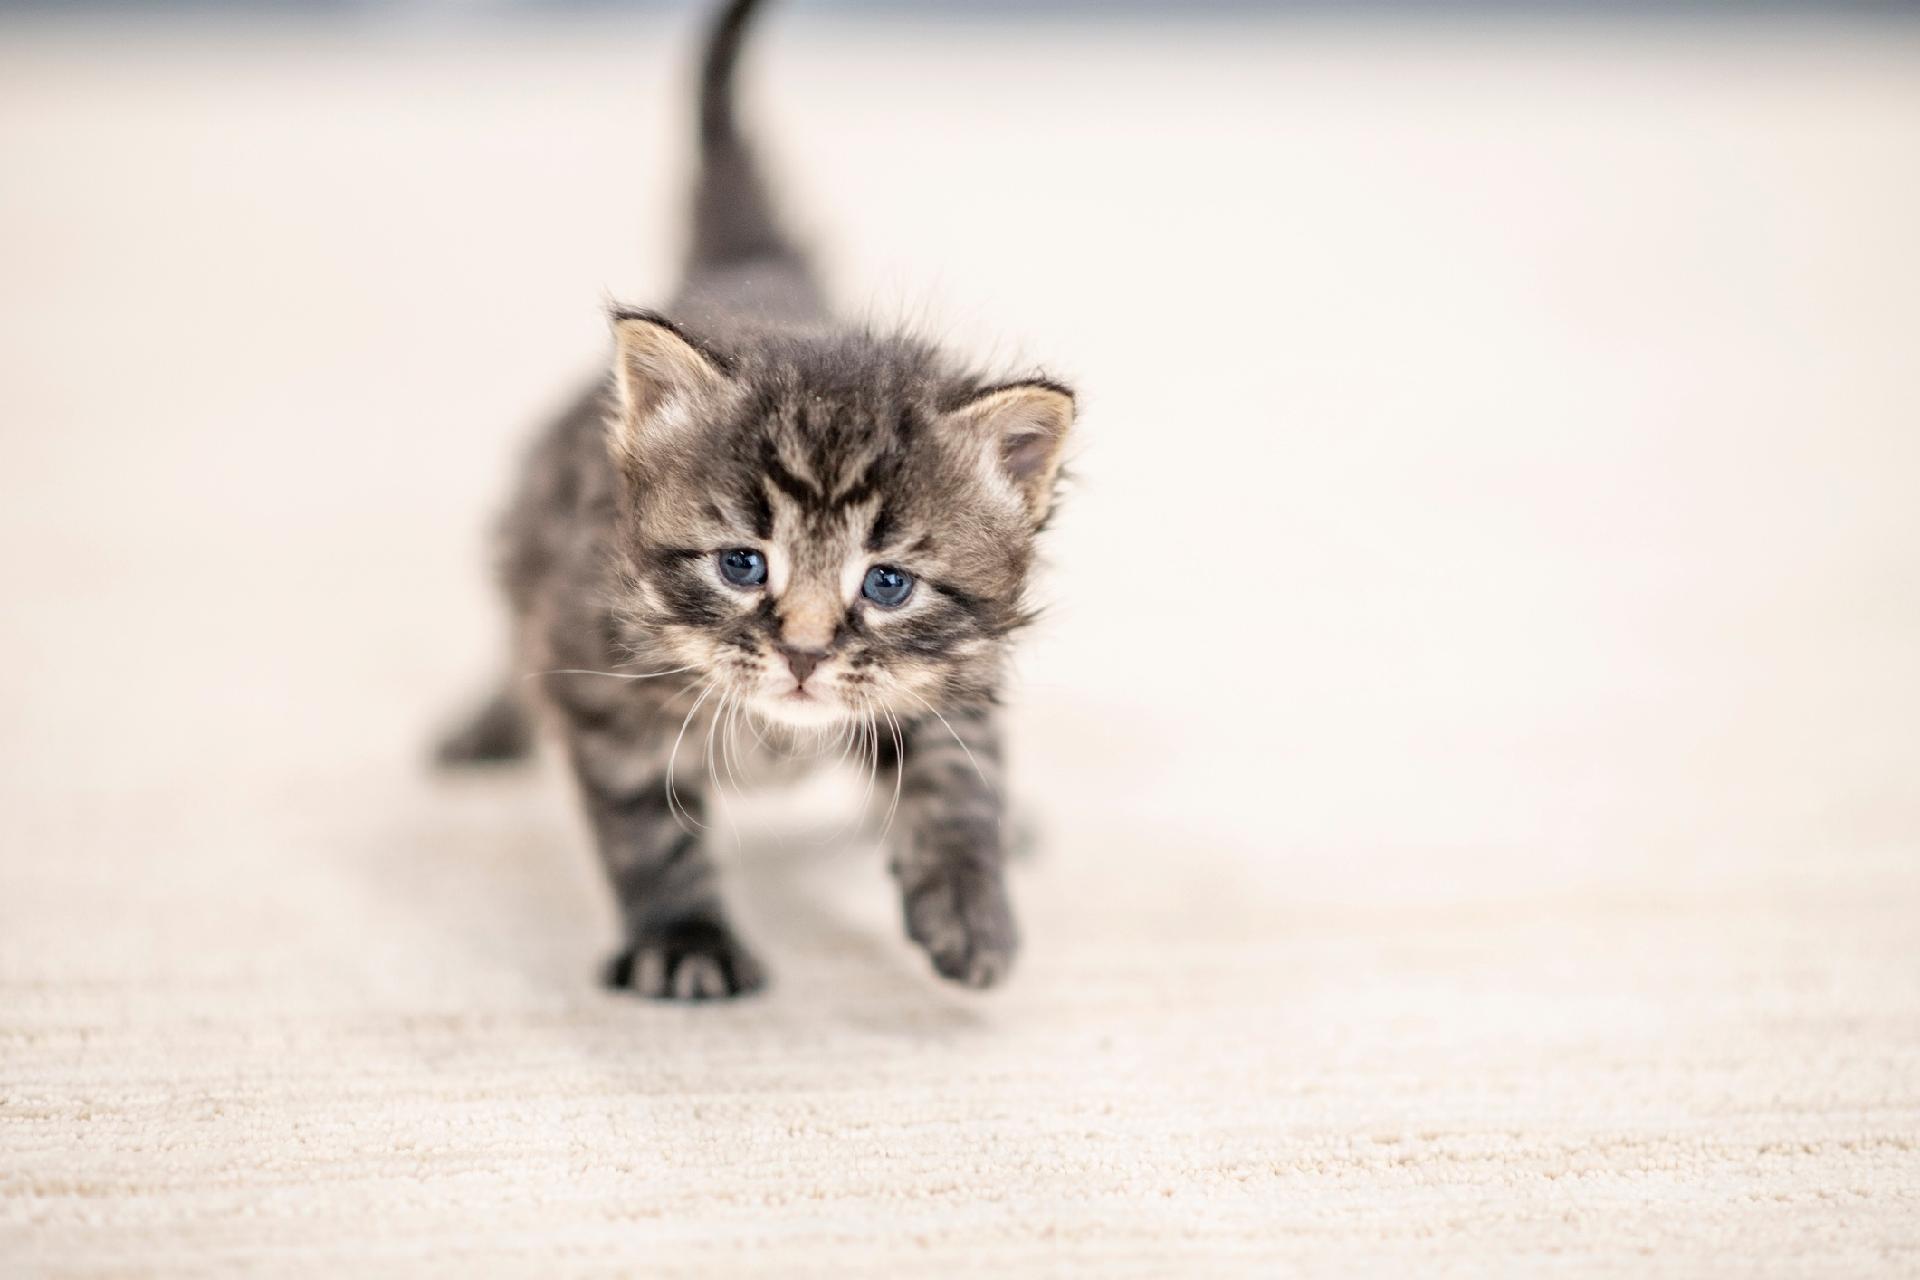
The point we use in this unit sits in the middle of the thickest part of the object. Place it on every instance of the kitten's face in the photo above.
(825, 532)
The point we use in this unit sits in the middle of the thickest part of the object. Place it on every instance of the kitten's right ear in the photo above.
(663, 381)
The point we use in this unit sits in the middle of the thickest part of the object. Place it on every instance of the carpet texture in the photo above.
(1473, 755)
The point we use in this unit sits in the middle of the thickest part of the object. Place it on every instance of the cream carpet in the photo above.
(1475, 747)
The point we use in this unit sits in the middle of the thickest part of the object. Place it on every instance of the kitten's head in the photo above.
(828, 525)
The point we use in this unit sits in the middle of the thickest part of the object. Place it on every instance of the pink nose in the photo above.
(802, 662)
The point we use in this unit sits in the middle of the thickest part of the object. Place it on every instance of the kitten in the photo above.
(766, 516)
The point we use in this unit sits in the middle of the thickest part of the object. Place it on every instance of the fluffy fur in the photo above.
(750, 421)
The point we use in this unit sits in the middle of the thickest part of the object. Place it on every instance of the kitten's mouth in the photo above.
(802, 708)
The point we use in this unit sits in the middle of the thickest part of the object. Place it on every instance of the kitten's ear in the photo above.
(663, 380)
(1023, 427)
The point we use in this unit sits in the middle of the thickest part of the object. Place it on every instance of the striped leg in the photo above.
(949, 849)
(679, 945)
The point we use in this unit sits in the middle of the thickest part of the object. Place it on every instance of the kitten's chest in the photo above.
(729, 747)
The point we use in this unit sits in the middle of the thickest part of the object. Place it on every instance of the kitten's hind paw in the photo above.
(964, 922)
(687, 960)
(498, 732)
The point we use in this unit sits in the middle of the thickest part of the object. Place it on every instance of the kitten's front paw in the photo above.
(687, 960)
(964, 921)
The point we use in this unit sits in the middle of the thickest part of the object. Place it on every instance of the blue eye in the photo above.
(887, 586)
(743, 567)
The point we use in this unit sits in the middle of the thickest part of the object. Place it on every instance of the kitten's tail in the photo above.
(733, 214)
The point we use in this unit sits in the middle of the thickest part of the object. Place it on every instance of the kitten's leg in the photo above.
(679, 945)
(949, 848)
(500, 730)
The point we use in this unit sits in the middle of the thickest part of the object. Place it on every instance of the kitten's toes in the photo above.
(688, 960)
(965, 924)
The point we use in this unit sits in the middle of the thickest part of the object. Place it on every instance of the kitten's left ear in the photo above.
(1023, 426)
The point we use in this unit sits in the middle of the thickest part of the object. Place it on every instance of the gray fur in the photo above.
(752, 419)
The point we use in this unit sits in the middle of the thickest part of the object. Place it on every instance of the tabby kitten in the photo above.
(768, 517)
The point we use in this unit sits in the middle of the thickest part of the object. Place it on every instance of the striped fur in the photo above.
(750, 419)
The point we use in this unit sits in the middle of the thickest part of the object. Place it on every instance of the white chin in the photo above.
(800, 713)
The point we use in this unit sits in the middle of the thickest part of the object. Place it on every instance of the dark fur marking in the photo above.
(683, 846)
(882, 528)
(802, 491)
(691, 603)
(647, 801)
(856, 491)
(966, 600)
(587, 716)
(760, 511)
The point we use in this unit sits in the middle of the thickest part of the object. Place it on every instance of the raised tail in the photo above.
(717, 126)
(734, 222)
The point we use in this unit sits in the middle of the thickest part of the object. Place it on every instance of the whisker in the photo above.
(873, 765)
(856, 731)
(611, 675)
(727, 754)
(825, 739)
(713, 776)
(679, 693)
(899, 772)
(753, 723)
(956, 737)
(673, 797)
(713, 722)
(847, 733)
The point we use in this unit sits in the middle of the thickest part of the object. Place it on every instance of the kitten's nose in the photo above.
(802, 661)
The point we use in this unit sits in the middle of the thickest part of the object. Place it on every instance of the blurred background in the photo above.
(1479, 704)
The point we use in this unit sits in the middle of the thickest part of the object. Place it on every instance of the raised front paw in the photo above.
(964, 921)
(687, 960)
